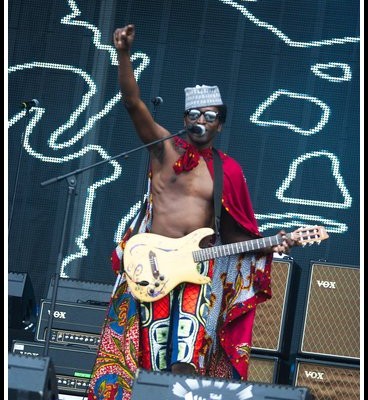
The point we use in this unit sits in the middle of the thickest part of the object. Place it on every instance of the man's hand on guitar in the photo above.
(284, 247)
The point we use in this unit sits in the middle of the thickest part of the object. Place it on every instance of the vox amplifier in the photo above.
(328, 380)
(273, 321)
(73, 365)
(331, 326)
(73, 323)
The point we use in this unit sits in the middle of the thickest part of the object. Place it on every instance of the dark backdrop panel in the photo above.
(288, 71)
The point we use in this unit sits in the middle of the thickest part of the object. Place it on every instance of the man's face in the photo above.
(208, 117)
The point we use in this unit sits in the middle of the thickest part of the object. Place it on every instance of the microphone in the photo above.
(156, 101)
(197, 129)
(29, 104)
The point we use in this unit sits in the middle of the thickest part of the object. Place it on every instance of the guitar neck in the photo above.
(236, 248)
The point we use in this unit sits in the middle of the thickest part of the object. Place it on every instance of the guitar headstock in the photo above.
(309, 235)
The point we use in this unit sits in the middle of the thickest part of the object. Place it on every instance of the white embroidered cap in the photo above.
(202, 96)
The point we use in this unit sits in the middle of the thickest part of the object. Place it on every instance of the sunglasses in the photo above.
(194, 114)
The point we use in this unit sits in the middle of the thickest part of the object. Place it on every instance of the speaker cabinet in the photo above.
(31, 378)
(162, 385)
(328, 380)
(331, 323)
(78, 291)
(72, 364)
(274, 316)
(263, 368)
(21, 301)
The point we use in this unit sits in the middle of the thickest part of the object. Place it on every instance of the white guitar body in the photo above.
(155, 264)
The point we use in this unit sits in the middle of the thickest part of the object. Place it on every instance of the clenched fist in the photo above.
(124, 37)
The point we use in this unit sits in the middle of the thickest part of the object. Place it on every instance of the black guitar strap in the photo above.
(218, 182)
(142, 212)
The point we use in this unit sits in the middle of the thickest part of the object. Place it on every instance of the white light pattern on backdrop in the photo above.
(53, 143)
(282, 36)
(274, 220)
(282, 92)
(320, 70)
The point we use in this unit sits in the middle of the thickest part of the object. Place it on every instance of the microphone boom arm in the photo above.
(124, 154)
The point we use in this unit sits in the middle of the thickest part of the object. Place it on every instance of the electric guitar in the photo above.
(155, 264)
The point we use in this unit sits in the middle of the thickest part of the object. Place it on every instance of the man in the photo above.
(196, 328)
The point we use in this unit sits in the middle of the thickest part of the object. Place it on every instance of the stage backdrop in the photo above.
(288, 71)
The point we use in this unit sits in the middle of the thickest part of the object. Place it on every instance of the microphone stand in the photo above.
(72, 182)
(17, 171)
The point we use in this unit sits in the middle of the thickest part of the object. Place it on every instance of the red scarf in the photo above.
(190, 158)
(235, 195)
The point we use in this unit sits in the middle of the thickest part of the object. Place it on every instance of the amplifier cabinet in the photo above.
(274, 317)
(77, 291)
(331, 322)
(263, 368)
(73, 364)
(328, 380)
(73, 323)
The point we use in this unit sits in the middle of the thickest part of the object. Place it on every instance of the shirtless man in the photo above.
(203, 329)
(183, 202)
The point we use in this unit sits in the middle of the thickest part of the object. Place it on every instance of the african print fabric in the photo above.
(239, 283)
